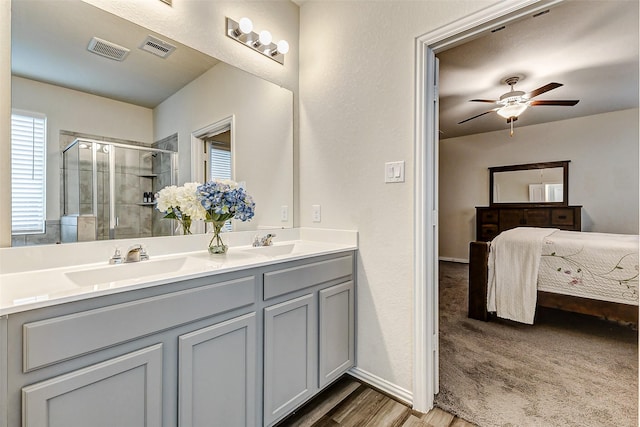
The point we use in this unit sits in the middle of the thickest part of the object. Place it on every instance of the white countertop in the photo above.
(25, 288)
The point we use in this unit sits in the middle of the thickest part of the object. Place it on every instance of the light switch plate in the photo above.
(394, 171)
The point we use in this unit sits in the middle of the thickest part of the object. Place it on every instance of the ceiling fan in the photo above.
(515, 102)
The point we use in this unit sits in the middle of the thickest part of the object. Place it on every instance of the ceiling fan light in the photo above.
(512, 110)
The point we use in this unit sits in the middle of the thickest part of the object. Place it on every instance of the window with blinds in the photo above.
(219, 148)
(220, 161)
(28, 148)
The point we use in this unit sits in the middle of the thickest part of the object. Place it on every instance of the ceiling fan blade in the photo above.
(565, 103)
(491, 101)
(543, 89)
(475, 117)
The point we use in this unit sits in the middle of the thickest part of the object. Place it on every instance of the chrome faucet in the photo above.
(136, 253)
(264, 241)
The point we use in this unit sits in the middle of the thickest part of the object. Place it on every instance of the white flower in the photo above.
(167, 199)
(187, 199)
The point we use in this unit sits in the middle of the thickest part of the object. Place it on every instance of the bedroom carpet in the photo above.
(566, 370)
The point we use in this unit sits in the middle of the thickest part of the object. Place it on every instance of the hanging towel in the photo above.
(514, 258)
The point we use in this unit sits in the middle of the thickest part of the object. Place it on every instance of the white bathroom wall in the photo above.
(603, 172)
(263, 154)
(356, 113)
(83, 113)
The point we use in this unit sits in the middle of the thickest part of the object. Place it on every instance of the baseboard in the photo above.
(460, 260)
(375, 381)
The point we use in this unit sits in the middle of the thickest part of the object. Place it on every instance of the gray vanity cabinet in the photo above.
(336, 351)
(217, 374)
(174, 354)
(124, 391)
(289, 355)
(308, 332)
(243, 348)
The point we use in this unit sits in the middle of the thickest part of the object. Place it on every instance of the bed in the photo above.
(589, 273)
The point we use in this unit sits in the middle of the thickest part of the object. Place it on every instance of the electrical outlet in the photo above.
(315, 213)
(284, 213)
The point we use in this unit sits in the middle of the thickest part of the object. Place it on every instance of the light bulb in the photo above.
(265, 37)
(245, 25)
(512, 110)
(283, 47)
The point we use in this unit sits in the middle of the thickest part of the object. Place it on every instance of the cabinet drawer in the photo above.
(488, 232)
(60, 338)
(489, 216)
(562, 217)
(537, 217)
(292, 279)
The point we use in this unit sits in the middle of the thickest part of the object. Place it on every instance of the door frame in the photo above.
(425, 362)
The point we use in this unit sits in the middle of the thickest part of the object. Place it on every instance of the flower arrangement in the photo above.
(223, 199)
(215, 201)
(181, 204)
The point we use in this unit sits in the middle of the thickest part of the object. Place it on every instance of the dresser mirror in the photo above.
(175, 103)
(530, 184)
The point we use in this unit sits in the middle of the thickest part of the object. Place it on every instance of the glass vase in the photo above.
(186, 225)
(216, 245)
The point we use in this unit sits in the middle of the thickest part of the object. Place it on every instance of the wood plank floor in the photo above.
(350, 403)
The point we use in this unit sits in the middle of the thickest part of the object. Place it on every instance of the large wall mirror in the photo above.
(530, 184)
(105, 85)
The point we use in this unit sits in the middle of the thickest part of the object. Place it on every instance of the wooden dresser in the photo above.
(492, 220)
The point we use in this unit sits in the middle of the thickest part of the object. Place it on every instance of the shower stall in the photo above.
(108, 190)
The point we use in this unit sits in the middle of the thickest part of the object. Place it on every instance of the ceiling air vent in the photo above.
(107, 49)
(157, 47)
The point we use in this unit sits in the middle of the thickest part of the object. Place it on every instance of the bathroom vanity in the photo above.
(236, 344)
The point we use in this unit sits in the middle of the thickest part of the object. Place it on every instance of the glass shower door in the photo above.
(132, 187)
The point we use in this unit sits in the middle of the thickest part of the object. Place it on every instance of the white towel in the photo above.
(514, 258)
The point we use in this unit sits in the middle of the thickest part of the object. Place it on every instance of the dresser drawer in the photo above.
(562, 217)
(488, 232)
(536, 217)
(489, 216)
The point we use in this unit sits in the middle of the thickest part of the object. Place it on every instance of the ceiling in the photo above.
(49, 42)
(589, 46)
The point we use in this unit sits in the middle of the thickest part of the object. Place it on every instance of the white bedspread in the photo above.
(514, 259)
(599, 266)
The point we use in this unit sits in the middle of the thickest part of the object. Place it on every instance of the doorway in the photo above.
(426, 383)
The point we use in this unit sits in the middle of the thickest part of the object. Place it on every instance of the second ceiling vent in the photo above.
(157, 47)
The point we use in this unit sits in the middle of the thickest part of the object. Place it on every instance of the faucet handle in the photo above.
(144, 256)
(116, 258)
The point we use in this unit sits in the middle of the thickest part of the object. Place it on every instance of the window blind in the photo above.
(220, 161)
(28, 142)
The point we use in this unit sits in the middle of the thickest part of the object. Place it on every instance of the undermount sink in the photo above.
(114, 273)
(274, 250)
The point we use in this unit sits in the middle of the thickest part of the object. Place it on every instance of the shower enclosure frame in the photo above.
(111, 153)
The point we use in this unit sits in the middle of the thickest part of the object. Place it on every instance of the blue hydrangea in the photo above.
(225, 199)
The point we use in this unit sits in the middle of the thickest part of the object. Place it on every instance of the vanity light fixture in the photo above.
(242, 32)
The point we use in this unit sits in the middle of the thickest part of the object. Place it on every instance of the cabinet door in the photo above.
(217, 382)
(289, 355)
(336, 351)
(125, 391)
